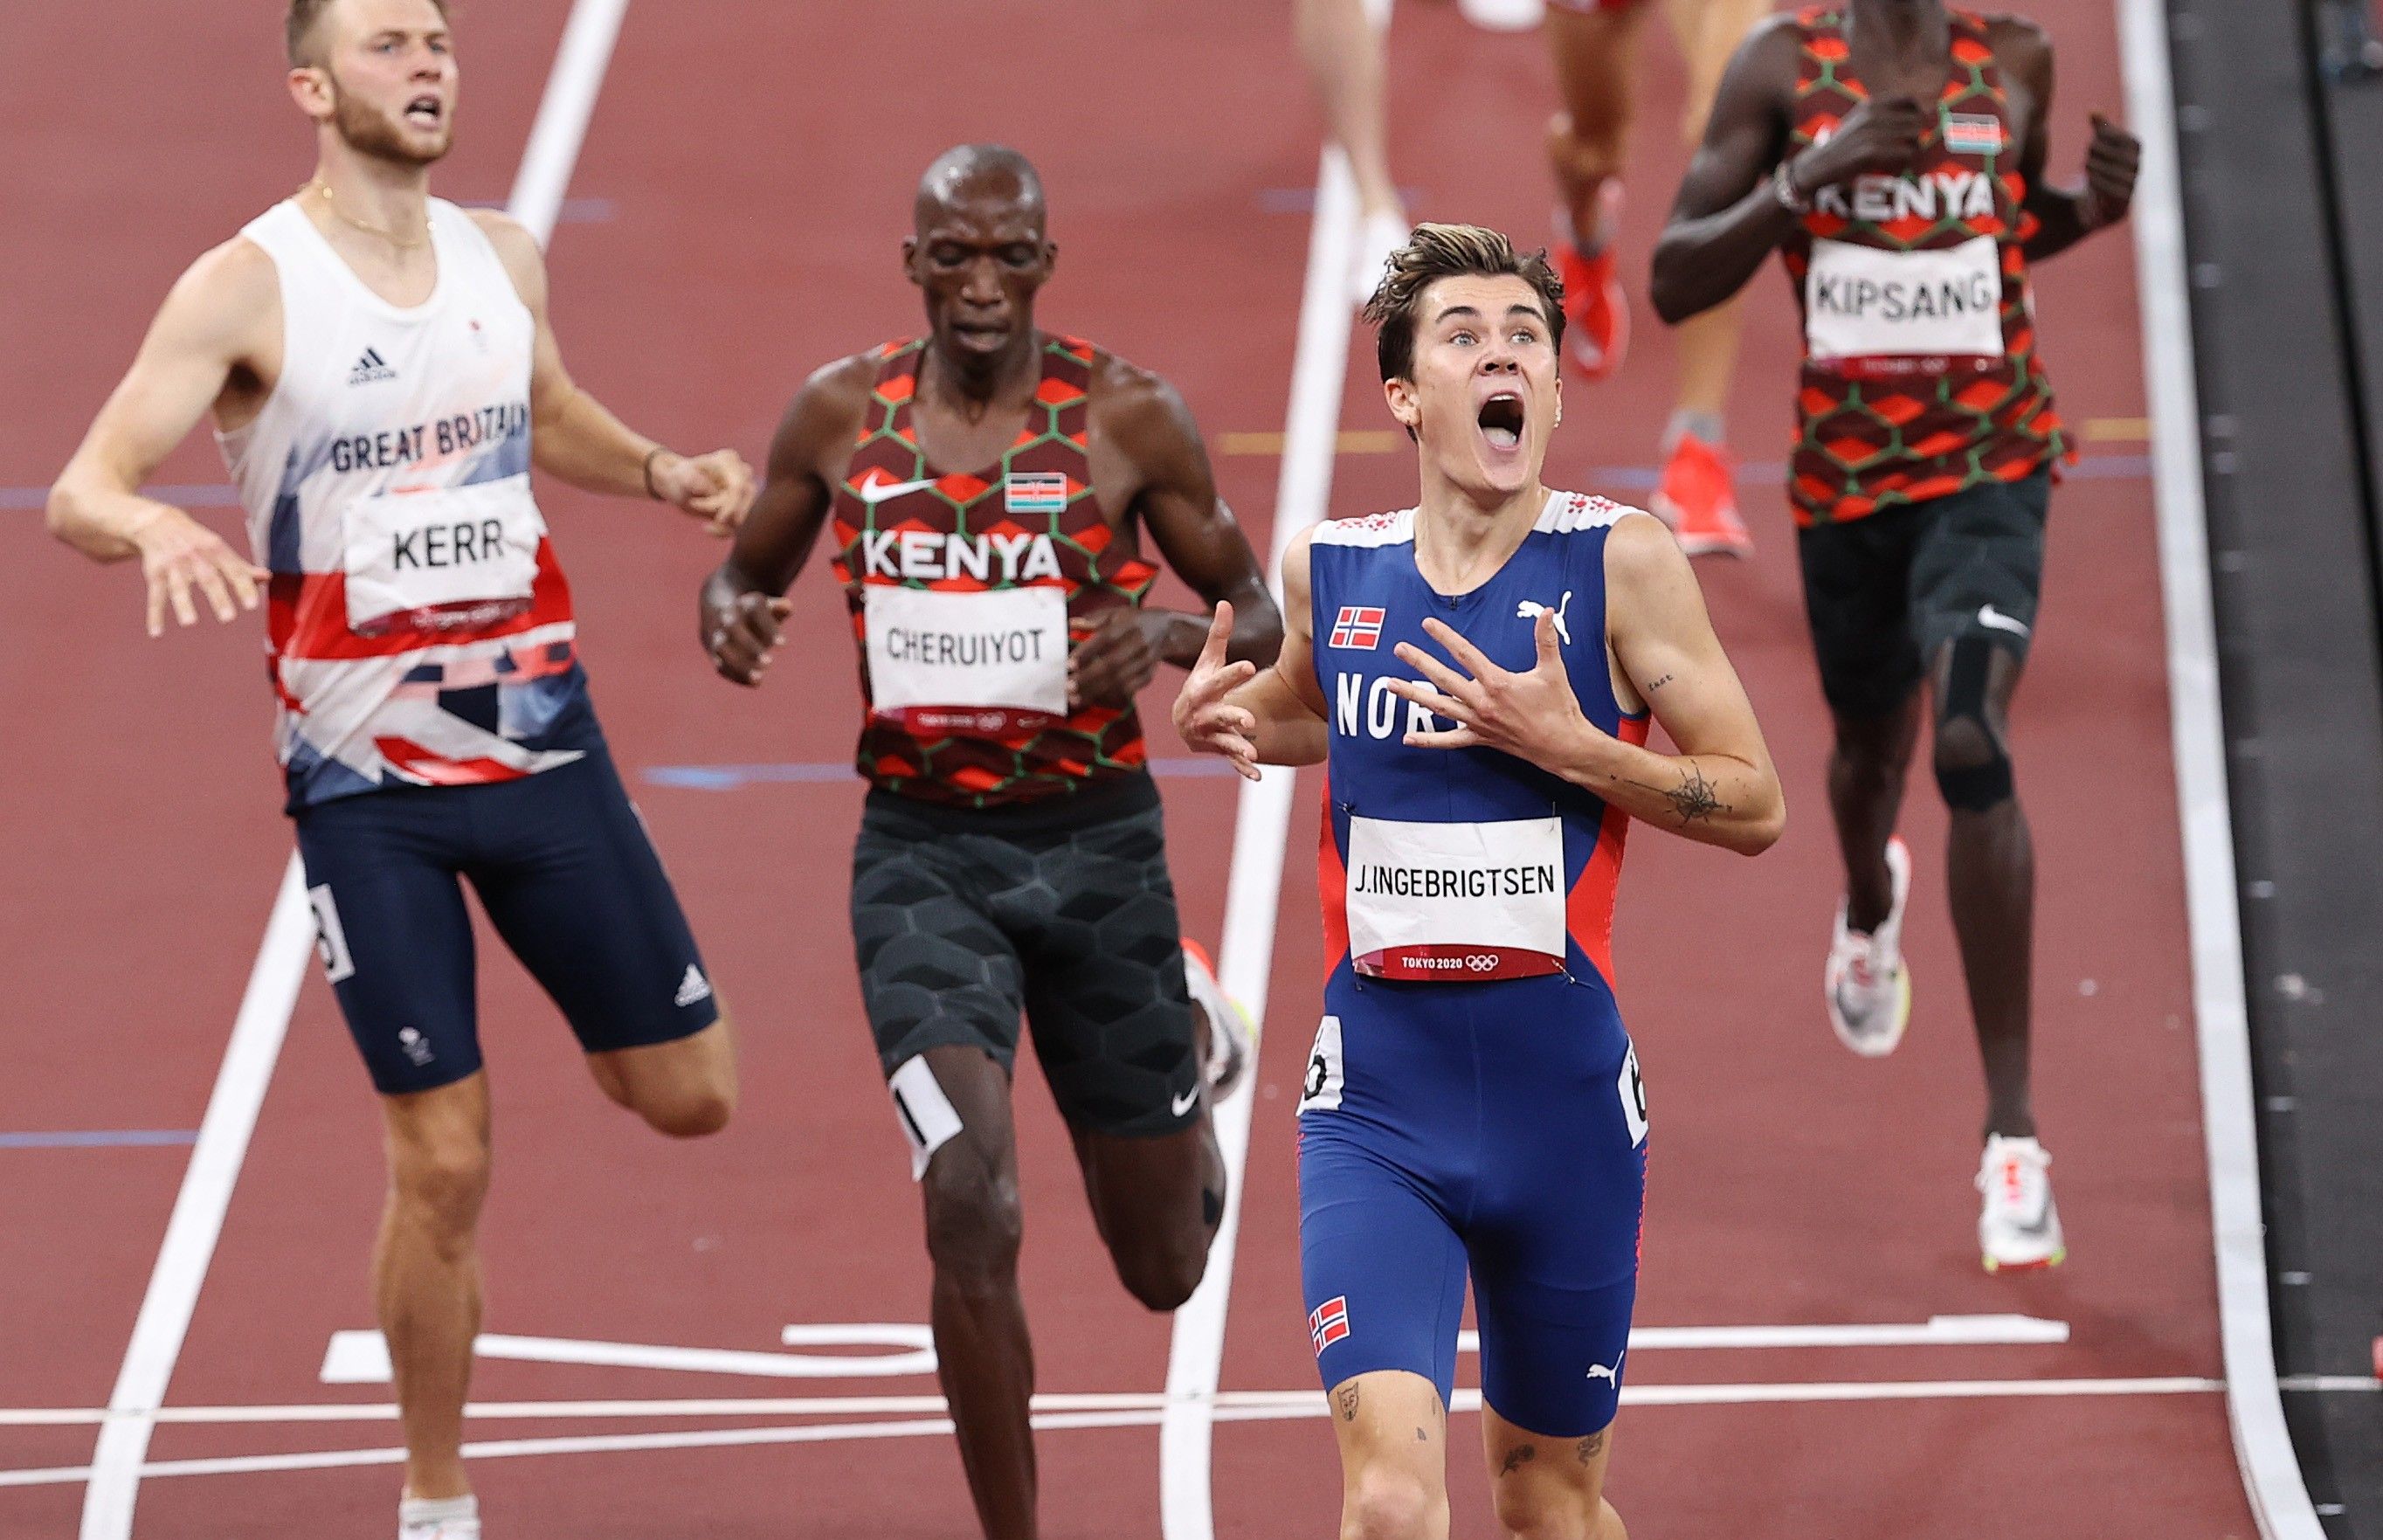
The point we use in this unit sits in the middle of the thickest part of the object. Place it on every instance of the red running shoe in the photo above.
(1697, 497)
(1596, 313)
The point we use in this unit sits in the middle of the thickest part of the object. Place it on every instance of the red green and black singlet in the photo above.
(1920, 377)
(964, 590)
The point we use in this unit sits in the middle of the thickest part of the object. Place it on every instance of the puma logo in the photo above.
(1531, 610)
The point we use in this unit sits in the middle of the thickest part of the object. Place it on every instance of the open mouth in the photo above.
(1501, 420)
(426, 112)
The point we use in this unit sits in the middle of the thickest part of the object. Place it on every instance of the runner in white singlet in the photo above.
(382, 377)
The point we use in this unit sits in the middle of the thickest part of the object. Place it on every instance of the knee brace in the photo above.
(1973, 769)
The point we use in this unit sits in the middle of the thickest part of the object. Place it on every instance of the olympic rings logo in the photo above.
(1481, 962)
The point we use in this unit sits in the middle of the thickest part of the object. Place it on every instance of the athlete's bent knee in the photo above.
(441, 1187)
(1386, 1503)
(688, 1113)
(1162, 1273)
(974, 1221)
(1973, 769)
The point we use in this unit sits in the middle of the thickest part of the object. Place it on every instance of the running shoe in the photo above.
(1596, 313)
(1380, 235)
(1230, 1033)
(442, 1519)
(2019, 1228)
(1503, 16)
(1868, 986)
(1697, 497)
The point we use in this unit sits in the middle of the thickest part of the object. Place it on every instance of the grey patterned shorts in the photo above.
(963, 921)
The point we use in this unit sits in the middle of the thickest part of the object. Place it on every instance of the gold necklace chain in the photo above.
(342, 215)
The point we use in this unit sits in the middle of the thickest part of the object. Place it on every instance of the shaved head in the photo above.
(968, 173)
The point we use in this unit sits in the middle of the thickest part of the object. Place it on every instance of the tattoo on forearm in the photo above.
(1518, 1457)
(1695, 797)
(1588, 1449)
(1345, 1399)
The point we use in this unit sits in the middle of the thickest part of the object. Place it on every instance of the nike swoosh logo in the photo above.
(1181, 1104)
(1990, 616)
(880, 491)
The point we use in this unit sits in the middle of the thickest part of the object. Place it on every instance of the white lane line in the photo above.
(361, 1357)
(2271, 1471)
(1261, 833)
(197, 1221)
(563, 114)
(1138, 1411)
(263, 1019)
(1946, 1331)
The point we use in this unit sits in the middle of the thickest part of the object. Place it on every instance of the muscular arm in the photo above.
(1187, 521)
(575, 436)
(1720, 789)
(223, 316)
(741, 602)
(1256, 715)
(1727, 219)
(2062, 216)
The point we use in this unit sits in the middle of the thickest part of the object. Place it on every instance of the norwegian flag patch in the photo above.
(1329, 1322)
(1035, 492)
(1358, 627)
(1969, 133)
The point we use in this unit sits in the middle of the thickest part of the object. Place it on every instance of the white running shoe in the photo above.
(1379, 236)
(1503, 16)
(1229, 1024)
(2019, 1228)
(1868, 989)
(439, 1519)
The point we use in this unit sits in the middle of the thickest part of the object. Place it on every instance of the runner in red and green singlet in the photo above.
(991, 489)
(1893, 152)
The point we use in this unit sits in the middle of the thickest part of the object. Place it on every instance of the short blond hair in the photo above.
(305, 16)
(1436, 252)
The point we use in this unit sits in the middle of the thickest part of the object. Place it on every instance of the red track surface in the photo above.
(758, 159)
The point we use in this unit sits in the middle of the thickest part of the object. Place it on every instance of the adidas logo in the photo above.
(370, 368)
(692, 988)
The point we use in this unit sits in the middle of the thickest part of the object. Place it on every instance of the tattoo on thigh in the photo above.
(1518, 1457)
(1346, 1399)
(1422, 1438)
(1588, 1449)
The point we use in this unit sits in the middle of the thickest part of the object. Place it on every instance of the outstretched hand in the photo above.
(183, 560)
(1533, 716)
(1207, 723)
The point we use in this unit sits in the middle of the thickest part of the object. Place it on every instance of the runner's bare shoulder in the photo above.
(229, 302)
(1138, 410)
(524, 260)
(816, 432)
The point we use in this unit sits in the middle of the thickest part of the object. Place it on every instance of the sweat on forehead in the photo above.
(970, 171)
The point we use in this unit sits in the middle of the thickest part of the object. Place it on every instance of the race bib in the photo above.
(1863, 305)
(1456, 902)
(448, 556)
(988, 662)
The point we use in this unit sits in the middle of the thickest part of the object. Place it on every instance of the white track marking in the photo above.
(552, 152)
(1951, 1331)
(197, 1220)
(1101, 1411)
(361, 1357)
(1261, 832)
(191, 1234)
(2271, 1472)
